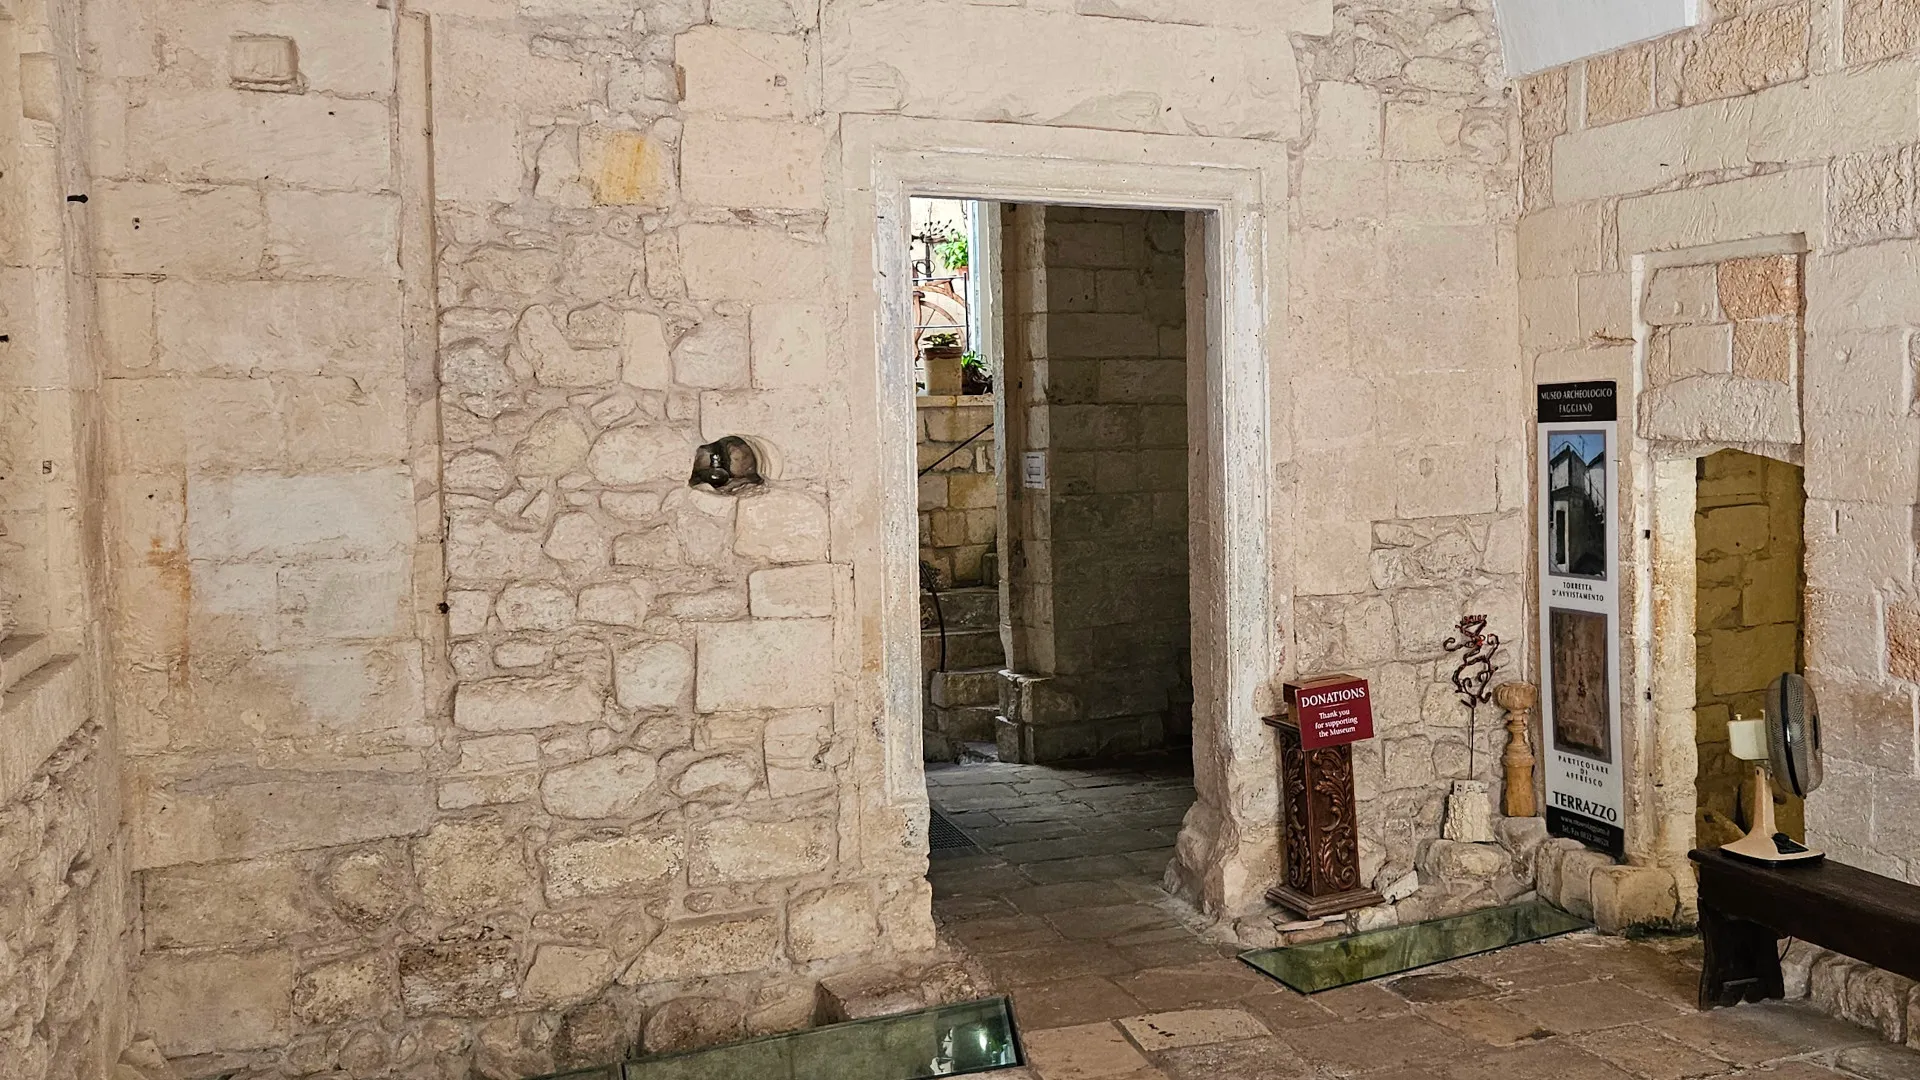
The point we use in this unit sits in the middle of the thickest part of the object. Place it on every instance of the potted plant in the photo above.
(974, 376)
(954, 254)
(941, 354)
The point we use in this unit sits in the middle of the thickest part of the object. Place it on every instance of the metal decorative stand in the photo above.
(1469, 812)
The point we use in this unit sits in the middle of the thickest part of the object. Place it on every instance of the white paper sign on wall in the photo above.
(1539, 34)
(1033, 469)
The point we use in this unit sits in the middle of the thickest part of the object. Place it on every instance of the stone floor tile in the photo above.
(1152, 861)
(985, 881)
(1388, 1042)
(1084, 1000)
(1039, 808)
(1284, 1010)
(1073, 847)
(1191, 1027)
(1109, 922)
(1753, 1034)
(997, 836)
(1436, 986)
(1176, 948)
(1485, 1021)
(1879, 1061)
(1798, 1070)
(1005, 934)
(1091, 868)
(1648, 1054)
(1553, 1059)
(962, 908)
(1361, 1001)
(1203, 983)
(1586, 1006)
(1039, 785)
(1026, 967)
(1083, 1052)
(1066, 895)
(1264, 1058)
(993, 798)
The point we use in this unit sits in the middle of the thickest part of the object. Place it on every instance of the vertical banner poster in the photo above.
(1580, 613)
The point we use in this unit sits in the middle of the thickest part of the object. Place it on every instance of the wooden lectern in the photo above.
(1319, 832)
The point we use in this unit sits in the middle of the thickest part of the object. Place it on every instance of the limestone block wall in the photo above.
(1773, 137)
(959, 515)
(63, 880)
(457, 731)
(1749, 530)
(1401, 397)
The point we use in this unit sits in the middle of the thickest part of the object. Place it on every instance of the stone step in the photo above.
(967, 686)
(21, 655)
(971, 723)
(965, 649)
(963, 609)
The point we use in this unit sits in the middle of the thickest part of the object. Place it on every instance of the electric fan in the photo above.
(1784, 742)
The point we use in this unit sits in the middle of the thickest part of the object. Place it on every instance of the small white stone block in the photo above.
(1469, 814)
(264, 62)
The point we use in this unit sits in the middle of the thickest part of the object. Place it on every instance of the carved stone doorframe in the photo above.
(1227, 852)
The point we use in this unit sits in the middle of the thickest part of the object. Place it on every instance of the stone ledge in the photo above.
(951, 401)
(38, 713)
(1591, 885)
(1857, 992)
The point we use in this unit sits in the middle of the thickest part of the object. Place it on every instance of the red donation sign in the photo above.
(1331, 710)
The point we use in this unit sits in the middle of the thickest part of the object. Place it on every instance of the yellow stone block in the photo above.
(624, 168)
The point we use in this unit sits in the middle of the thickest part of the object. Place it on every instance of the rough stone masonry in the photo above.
(380, 701)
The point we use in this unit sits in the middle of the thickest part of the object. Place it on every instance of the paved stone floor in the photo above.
(1064, 911)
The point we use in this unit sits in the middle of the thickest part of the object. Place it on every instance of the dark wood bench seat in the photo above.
(1746, 908)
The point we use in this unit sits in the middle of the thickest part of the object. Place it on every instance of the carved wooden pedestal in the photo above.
(1321, 836)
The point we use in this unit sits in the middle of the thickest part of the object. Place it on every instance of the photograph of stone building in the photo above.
(1577, 504)
(390, 692)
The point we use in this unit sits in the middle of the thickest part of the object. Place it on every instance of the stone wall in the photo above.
(1402, 399)
(1772, 138)
(1748, 529)
(959, 514)
(62, 914)
(1106, 602)
(64, 891)
(519, 751)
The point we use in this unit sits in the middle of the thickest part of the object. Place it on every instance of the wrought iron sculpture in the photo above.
(1475, 670)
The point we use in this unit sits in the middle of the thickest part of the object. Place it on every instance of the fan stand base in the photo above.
(1764, 842)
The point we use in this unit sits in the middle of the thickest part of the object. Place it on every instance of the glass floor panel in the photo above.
(948, 1040)
(1324, 965)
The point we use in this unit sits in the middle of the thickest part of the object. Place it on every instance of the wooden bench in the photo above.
(1746, 908)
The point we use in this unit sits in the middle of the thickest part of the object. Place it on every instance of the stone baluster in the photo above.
(1519, 699)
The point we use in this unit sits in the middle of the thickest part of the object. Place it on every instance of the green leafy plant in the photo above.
(953, 253)
(942, 341)
(972, 362)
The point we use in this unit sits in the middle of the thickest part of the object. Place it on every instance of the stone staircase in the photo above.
(961, 701)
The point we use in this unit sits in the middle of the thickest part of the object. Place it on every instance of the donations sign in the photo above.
(1331, 710)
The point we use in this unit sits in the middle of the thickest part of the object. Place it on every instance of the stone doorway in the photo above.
(1053, 548)
(1749, 527)
(1227, 847)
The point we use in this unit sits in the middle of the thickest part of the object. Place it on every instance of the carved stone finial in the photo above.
(1514, 696)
